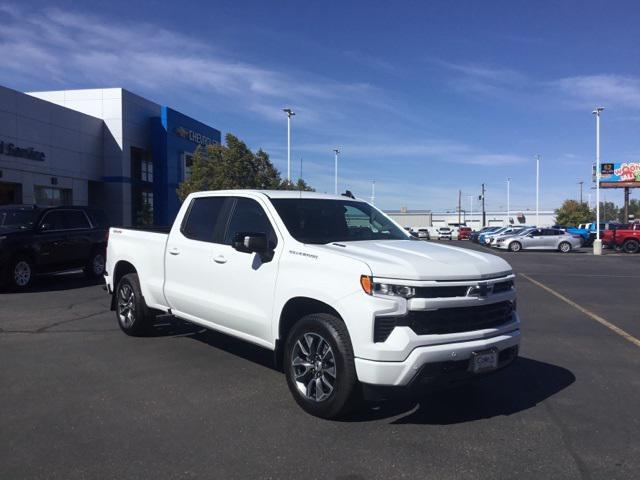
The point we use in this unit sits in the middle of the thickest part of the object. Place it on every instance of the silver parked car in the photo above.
(541, 239)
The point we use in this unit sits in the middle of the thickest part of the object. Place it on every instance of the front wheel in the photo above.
(134, 317)
(320, 368)
(631, 246)
(515, 246)
(21, 273)
(564, 247)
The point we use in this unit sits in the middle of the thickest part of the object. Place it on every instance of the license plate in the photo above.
(484, 361)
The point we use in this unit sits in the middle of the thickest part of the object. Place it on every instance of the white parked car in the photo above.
(347, 300)
(445, 233)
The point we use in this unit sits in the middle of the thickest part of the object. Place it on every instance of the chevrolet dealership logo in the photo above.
(182, 132)
(195, 137)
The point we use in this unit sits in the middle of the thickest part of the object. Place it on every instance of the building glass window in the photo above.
(187, 165)
(146, 171)
(144, 211)
(50, 196)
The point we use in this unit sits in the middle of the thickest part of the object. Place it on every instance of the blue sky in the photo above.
(424, 97)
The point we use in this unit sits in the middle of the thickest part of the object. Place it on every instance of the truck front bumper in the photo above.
(437, 362)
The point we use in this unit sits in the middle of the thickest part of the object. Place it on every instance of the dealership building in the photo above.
(108, 148)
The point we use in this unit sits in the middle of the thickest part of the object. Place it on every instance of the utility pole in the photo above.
(484, 213)
(459, 206)
(290, 113)
(597, 244)
(580, 183)
(537, 190)
(336, 152)
(471, 208)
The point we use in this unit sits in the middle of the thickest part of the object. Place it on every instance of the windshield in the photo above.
(326, 221)
(17, 218)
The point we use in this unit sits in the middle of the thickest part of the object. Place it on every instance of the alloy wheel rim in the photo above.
(126, 306)
(22, 273)
(98, 264)
(564, 247)
(314, 367)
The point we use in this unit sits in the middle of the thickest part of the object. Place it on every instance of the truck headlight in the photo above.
(373, 288)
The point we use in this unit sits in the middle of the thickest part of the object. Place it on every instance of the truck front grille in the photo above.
(459, 319)
(446, 320)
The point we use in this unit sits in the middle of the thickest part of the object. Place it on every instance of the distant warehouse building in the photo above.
(427, 218)
(107, 148)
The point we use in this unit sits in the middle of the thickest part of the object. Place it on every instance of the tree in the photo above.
(233, 166)
(573, 213)
(634, 209)
(608, 211)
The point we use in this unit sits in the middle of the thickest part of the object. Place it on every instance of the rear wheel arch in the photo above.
(121, 269)
(295, 309)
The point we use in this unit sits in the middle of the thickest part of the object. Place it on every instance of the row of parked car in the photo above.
(625, 237)
(455, 232)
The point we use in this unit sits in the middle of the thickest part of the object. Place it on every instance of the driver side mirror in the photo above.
(250, 242)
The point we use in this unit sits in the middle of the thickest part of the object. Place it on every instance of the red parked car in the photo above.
(464, 233)
(626, 237)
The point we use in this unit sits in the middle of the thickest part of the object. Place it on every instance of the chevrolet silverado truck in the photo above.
(345, 298)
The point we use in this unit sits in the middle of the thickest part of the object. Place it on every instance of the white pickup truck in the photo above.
(346, 299)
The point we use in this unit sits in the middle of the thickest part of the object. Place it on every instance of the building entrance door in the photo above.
(10, 193)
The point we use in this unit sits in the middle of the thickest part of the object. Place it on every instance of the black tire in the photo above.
(95, 265)
(345, 390)
(20, 273)
(631, 246)
(515, 246)
(132, 313)
(564, 247)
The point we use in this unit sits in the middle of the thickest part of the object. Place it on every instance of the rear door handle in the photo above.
(174, 251)
(220, 259)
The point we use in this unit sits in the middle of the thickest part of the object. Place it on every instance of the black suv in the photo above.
(44, 240)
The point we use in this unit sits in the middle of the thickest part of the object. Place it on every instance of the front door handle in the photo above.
(220, 259)
(174, 251)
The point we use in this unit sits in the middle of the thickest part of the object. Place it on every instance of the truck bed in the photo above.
(144, 248)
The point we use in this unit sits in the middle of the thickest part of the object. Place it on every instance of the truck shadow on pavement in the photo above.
(519, 387)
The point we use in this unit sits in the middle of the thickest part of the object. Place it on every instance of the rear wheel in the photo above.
(515, 246)
(631, 246)
(134, 317)
(95, 265)
(564, 247)
(319, 366)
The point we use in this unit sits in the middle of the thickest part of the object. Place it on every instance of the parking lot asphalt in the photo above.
(80, 399)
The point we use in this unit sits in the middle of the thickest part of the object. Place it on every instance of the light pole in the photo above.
(373, 192)
(508, 200)
(581, 182)
(537, 190)
(290, 113)
(336, 152)
(597, 244)
(470, 207)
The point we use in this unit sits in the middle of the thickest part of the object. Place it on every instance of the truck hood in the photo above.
(420, 260)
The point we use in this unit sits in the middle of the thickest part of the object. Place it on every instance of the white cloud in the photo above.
(605, 89)
(79, 50)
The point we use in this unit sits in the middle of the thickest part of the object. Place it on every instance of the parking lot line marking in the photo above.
(589, 313)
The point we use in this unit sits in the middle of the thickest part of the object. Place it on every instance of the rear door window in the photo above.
(75, 220)
(205, 219)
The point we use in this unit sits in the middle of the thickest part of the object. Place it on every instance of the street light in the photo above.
(470, 208)
(290, 113)
(508, 201)
(537, 190)
(597, 244)
(336, 152)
